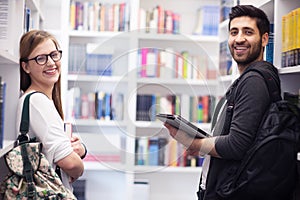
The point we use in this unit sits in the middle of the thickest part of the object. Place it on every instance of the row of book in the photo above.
(269, 52)
(169, 64)
(90, 59)
(93, 59)
(2, 110)
(160, 151)
(94, 105)
(148, 105)
(290, 55)
(158, 20)
(225, 9)
(207, 22)
(97, 16)
(225, 59)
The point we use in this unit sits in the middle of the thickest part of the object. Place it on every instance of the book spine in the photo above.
(2, 110)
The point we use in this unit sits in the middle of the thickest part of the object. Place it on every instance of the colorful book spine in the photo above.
(290, 55)
(95, 16)
(161, 151)
(169, 64)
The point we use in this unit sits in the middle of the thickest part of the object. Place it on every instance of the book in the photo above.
(180, 123)
(153, 152)
(207, 20)
(2, 110)
(270, 46)
(4, 29)
(99, 59)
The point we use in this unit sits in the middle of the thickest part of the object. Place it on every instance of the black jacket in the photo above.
(251, 99)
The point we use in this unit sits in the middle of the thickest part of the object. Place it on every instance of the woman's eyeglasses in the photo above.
(43, 59)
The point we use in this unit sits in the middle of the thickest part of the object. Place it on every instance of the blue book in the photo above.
(99, 105)
(107, 106)
(153, 152)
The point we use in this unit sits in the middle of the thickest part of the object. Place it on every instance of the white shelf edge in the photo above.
(94, 78)
(8, 58)
(177, 37)
(224, 24)
(99, 166)
(97, 122)
(226, 78)
(166, 169)
(298, 157)
(287, 70)
(261, 3)
(103, 34)
(159, 124)
(34, 5)
(176, 81)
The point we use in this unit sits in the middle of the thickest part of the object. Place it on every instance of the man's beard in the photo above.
(251, 57)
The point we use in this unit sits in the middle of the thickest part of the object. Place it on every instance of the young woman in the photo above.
(40, 70)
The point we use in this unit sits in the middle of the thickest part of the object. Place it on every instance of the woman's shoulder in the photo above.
(36, 99)
(34, 94)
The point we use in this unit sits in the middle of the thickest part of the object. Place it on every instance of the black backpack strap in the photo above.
(272, 85)
(24, 125)
(24, 138)
(273, 88)
(28, 173)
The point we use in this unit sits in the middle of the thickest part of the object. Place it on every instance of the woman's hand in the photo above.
(77, 145)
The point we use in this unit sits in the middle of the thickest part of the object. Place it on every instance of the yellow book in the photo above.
(185, 56)
(283, 29)
(72, 15)
(173, 153)
(297, 35)
(297, 27)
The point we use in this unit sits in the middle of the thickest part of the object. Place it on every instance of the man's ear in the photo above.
(265, 39)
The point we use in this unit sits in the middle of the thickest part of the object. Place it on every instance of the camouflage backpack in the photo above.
(30, 175)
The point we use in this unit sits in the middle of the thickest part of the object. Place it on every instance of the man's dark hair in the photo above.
(262, 20)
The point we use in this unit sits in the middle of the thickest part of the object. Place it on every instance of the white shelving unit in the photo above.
(12, 29)
(9, 56)
(104, 178)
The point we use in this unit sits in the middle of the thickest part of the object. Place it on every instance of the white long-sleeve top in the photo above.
(48, 127)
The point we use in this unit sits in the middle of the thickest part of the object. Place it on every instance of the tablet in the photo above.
(180, 123)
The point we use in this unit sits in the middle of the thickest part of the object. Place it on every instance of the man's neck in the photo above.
(242, 67)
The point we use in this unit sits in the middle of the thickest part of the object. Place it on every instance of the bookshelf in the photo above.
(103, 177)
(275, 11)
(125, 78)
(12, 27)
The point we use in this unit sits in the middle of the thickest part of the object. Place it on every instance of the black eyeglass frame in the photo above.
(47, 55)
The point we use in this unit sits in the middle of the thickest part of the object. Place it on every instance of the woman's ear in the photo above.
(25, 67)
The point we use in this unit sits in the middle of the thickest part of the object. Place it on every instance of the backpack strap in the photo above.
(273, 88)
(272, 85)
(22, 139)
(24, 125)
